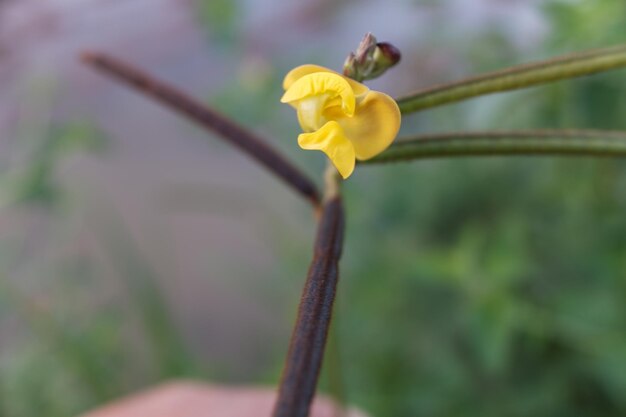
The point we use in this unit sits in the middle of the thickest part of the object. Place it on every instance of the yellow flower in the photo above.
(340, 117)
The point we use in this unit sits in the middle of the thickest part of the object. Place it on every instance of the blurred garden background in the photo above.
(135, 247)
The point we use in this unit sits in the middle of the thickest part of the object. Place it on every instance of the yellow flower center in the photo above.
(310, 112)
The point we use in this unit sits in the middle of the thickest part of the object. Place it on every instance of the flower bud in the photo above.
(387, 54)
(371, 59)
(365, 51)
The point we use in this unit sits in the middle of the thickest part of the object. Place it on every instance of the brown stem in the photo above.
(210, 119)
(306, 349)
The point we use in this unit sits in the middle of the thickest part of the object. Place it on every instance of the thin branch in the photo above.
(208, 118)
(521, 76)
(308, 339)
(529, 142)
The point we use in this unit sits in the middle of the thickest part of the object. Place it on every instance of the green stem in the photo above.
(530, 142)
(522, 76)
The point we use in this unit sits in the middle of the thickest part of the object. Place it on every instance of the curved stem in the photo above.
(530, 142)
(210, 119)
(521, 76)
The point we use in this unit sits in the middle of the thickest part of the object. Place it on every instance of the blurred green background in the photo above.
(136, 248)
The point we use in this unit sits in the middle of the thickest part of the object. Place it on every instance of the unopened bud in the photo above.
(365, 51)
(387, 54)
(371, 59)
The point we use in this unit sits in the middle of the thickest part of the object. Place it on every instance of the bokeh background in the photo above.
(135, 247)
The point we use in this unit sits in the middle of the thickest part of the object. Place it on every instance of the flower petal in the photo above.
(331, 140)
(374, 125)
(299, 72)
(319, 83)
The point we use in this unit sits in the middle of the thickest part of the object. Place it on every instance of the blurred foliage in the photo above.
(580, 23)
(495, 286)
(33, 181)
(219, 18)
(170, 357)
(470, 287)
(69, 361)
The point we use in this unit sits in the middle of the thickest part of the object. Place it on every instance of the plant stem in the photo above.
(332, 182)
(521, 76)
(229, 130)
(530, 142)
(308, 340)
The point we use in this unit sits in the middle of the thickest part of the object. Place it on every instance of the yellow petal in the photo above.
(322, 83)
(299, 72)
(331, 140)
(374, 125)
